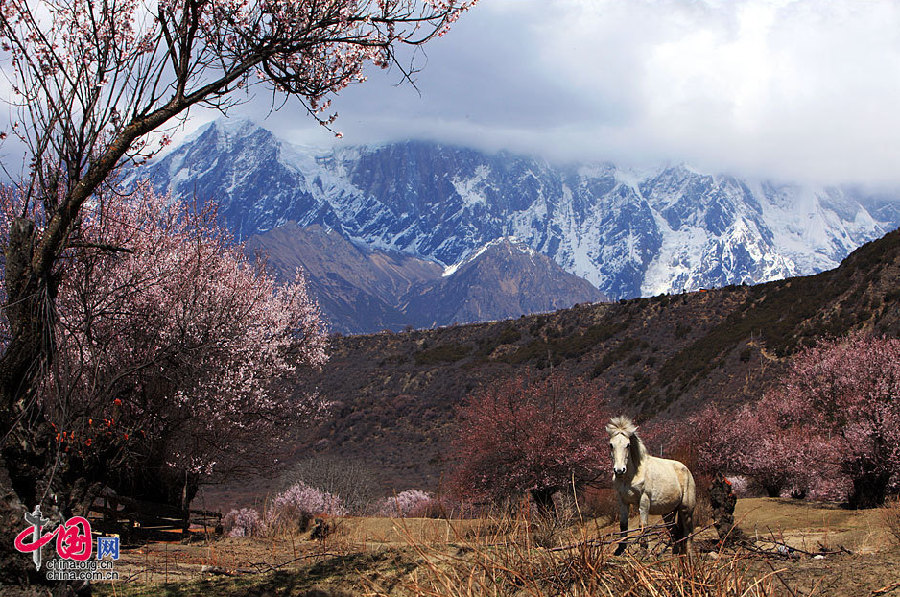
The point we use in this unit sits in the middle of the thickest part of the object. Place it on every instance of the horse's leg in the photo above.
(623, 526)
(685, 529)
(645, 517)
(671, 522)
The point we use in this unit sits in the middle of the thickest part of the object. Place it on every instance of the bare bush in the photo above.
(552, 529)
(890, 516)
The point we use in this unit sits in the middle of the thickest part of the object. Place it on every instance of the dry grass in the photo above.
(514, 564)
(514, 555)
(890, 516)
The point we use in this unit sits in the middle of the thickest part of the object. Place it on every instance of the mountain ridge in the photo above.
(365, 290)
(659, 358)
(629, 233)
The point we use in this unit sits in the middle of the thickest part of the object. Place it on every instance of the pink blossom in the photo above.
(831, 426)
(300, 500)
(245, 522)
(530, 435)
(168, 328)
(412, 502)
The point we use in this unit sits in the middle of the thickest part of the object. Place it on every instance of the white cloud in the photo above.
(794, 89)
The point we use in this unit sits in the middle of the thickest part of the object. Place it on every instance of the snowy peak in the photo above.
(629, 232)
(507, 244)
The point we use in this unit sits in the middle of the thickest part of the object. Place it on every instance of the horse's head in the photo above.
(621, 430)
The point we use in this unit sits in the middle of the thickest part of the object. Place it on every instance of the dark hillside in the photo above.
(660, 357)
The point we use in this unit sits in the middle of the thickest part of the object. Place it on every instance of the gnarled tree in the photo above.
(95, 80)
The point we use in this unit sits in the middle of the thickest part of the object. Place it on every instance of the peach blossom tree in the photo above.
(99, 85)
(851, 389)
(830, 426)
(176, 355)
(531, 435)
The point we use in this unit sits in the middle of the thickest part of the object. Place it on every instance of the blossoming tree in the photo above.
(98, 83)
(94, 79)
(852, 388)
(531, 435)
(831, 425)
(772, 441)
(174, 352)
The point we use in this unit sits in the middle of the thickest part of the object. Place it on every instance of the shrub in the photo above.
(444, 353)
(296, 506)
(410, 503)
(245, 522)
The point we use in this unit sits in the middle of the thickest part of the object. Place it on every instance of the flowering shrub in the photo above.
(410, 503)
(245, 522)
(298, 504)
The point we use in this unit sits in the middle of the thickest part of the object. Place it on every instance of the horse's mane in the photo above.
(626, 426)
(621, 425)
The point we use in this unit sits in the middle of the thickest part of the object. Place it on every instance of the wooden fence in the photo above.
(130, 517)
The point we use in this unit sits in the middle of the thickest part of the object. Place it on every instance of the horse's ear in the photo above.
(611, 429)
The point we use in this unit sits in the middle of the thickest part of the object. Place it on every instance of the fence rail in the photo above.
(130, 516)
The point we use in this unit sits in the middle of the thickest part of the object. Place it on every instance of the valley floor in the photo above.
(376, 556)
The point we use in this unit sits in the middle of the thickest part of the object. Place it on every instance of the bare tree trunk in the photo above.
(543, 498)
(31, 297)
(15, 568)
(26, 452)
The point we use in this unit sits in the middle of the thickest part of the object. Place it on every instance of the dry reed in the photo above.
(507, 561)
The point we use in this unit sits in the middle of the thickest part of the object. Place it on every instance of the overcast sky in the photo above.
(788, 89)
(800, 89)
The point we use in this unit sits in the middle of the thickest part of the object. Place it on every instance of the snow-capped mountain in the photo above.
(629, 233)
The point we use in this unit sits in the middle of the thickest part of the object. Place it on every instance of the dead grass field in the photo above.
(379, 556)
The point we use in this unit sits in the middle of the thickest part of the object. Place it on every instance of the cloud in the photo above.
(790, 89)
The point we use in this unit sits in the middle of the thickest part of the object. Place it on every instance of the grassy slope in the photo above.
(394, 394)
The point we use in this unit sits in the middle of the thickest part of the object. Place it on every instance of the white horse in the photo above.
(656, 485)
